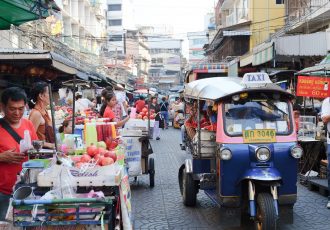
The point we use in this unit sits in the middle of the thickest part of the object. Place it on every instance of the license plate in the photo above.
(259, 136)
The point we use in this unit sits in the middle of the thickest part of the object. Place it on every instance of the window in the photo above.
(256, 114)
(279, 2)
(114, 38)
(114, 7)
(115, 22)
(153, 60)
(160, 60)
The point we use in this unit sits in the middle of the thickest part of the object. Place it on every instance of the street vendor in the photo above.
(65, 128)
(111, 101)
(39, 115)
(13, 101)
(325, 115)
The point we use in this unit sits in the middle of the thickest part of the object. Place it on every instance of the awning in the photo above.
(302, 45)
(17, 12)
(263, 53)
(324, 65)
(57, 61)
(246, 59)
(230, 33)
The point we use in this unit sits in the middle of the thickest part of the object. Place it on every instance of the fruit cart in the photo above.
(138, 149)
(89, 196)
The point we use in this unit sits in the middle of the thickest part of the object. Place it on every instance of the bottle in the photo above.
(27, 139)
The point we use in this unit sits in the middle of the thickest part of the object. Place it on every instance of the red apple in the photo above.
(100, 150)
(144, 110)
(111, 154)
(91, 150)
(107, 161)
(85, 158)
(79, 164)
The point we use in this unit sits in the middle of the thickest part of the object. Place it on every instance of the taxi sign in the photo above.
(259, 136)
(256, 79)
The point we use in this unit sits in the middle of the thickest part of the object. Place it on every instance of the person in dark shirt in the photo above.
(164, 111)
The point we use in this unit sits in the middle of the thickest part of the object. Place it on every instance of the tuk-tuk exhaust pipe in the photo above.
(252, 193)
(273, 190)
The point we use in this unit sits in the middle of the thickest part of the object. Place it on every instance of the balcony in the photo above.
(307, 17)
(231, 20)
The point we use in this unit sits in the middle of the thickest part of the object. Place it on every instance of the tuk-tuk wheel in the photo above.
(151, 166)
(266, 215)
(189, 189)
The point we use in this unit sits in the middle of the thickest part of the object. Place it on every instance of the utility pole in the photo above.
(116, 63)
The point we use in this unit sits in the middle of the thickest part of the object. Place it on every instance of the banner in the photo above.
(308, 86)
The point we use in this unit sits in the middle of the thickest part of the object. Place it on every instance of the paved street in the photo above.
(161, 207)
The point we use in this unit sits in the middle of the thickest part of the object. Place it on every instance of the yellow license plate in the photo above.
(259, 136)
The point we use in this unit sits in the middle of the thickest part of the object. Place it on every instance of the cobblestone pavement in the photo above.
(161, 207)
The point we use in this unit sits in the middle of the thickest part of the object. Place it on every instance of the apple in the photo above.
(100, 150)
(79, 164)
(144, 110)
(98, 158)
(107, 161)
(91, 150)
(111, 154)
(101, 144)
(75, 158)
(85, 158)
(145, 118)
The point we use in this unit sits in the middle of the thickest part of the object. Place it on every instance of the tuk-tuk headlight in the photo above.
(262, 154)
(225, 154)
(297, 152)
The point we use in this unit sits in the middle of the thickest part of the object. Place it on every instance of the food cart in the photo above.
(138, 149)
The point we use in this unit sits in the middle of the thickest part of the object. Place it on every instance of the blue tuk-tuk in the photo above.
(250, 160)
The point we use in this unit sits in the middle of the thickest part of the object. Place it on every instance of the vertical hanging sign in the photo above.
(309, 86)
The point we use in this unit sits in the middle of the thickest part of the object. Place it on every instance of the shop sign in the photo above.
(308, 86)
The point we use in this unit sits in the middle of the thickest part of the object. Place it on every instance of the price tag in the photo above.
(259, 136)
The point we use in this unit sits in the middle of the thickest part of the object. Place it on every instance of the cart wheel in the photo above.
(266, 215)
(189, 189)
(151, 166)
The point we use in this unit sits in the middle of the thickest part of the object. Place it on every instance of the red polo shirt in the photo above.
(9, 171)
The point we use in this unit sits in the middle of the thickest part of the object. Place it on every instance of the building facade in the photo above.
(197, 40)
(119, 20)
(166, 61)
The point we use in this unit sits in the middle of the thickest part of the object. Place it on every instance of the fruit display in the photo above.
(144, 114)
(96, 155)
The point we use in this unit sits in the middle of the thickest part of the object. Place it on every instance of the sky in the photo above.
(183, 15)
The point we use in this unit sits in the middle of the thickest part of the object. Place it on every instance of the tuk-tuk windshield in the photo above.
(257, 114)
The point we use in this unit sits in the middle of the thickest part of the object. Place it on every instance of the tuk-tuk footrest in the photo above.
(207, 181)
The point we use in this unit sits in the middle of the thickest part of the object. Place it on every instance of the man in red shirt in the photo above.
(13, 101)
(139, 104)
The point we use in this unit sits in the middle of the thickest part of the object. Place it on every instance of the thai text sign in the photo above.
(259, 136)
(313, 86)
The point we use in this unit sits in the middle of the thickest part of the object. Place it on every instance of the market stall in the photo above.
(312, 86)
(78, 182)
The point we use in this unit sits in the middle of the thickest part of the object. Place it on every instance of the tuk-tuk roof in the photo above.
(219, 87)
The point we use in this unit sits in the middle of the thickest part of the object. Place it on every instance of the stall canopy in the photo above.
(25, 58)
(324, 65)
(17, 12)
(40, 57)
(220, 87)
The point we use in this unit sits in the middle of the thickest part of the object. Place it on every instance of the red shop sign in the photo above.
(313, 86)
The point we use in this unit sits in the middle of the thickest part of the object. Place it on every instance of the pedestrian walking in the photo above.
(164, 111)
(325, 115)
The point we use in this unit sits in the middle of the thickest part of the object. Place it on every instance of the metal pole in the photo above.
(74, 103)
(149, 114)
(198, 128)
(52, 111)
